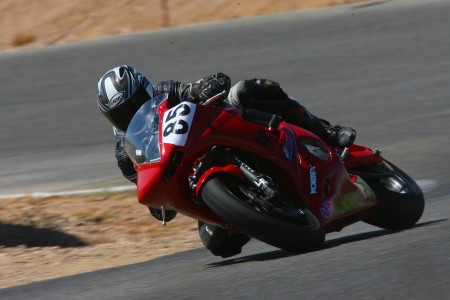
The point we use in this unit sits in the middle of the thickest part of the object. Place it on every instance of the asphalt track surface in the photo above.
(381, 67)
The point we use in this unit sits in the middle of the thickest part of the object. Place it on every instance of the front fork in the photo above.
(236, 167)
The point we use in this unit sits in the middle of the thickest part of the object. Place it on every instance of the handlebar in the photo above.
(215, 98)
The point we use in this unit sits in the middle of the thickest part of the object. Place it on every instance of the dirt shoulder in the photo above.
(29, 24)
(43, 238)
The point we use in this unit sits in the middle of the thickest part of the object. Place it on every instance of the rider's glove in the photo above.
(212, 85)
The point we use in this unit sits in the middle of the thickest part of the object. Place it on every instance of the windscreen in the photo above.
(142, 137)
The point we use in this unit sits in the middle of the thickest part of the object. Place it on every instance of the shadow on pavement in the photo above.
(277, 254)
(12, 235)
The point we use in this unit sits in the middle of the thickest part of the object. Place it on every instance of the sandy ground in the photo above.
(43, 238)
(26, 24)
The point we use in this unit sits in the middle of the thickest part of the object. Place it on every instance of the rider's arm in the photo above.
(123, 160)
(197, 92)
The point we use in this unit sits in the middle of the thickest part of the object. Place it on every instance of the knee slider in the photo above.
(220, 241)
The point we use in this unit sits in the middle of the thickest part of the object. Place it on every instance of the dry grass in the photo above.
(38, 23)
(23, 38)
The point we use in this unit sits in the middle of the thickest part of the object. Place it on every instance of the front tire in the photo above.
(401, 202)
(291, 227)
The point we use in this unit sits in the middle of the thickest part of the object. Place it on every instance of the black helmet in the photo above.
(121, 92)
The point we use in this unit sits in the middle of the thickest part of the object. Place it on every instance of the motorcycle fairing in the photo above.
(183, 138)
(329, 191)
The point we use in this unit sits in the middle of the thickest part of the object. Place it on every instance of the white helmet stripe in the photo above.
(109, 88)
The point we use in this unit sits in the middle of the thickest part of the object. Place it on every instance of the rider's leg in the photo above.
(220, 241)
(267, 95)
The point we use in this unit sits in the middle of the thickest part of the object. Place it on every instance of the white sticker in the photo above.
(177, 123)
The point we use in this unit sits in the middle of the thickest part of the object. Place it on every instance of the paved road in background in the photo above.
(381, 67)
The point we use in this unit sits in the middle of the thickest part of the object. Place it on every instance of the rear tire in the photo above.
(296, 230)
(401, 202)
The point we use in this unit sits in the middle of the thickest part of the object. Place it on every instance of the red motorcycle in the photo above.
(253, 173)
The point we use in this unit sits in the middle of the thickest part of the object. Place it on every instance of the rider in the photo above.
(122, 90)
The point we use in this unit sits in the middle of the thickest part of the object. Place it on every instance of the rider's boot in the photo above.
(333, 135)
(341, 136)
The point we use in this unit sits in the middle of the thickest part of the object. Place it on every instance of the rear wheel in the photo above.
(283, 224)
(401, 202)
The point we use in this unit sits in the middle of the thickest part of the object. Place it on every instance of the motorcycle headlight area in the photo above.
(316, 149)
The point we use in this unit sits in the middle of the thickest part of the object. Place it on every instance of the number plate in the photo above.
(177, 123)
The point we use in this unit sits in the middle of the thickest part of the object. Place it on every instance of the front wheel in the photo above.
(285, 225)
(401, 202)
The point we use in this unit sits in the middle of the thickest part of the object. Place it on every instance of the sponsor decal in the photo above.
(327, 209)
(312, 180)
(116, 100)
(288, 148)
(262, 138)
(261, 181)
(267, 83)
